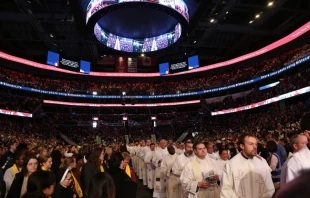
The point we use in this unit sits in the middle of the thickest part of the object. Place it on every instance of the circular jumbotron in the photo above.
(137, 25)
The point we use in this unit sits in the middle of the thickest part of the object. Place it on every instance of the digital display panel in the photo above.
(178, 67)
(69, 65)
(164, 68)
(84, 67)
(269, 85)
(52, 58)
(193, 62)
(178, 5)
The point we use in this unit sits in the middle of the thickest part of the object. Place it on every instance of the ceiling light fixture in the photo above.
(212, 20)
(227, 12)
(142, 54)
(257, 16)
(51, 35)
(194, 41)
(270, 3)
(251, 22)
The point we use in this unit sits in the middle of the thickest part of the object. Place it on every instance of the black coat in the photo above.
(125, 187)
(88, 171)
(62, 192)
(16, 186)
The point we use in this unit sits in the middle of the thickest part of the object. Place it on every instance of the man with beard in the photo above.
(247, 175)
(166, 166)
(149, 166)
(160, 178)
(178, 167)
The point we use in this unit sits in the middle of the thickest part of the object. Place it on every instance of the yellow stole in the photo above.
(127, 170)
(211, 192)
(101, 169)
(15, 169)
(77, 186)
(45, 169)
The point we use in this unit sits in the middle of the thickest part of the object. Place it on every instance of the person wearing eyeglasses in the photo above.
(62, 188)
(19, 185)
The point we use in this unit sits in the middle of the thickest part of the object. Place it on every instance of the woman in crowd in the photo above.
(43, 151)
(46, 162)
(56, 158)
(275, 162)
(69, 164)
(101, 186)
(41, 183)
(94, 165)
(125, 187)
(19, 185)
(62, 188)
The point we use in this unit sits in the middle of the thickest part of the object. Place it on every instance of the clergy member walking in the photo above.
(247, 175)
(166, 168)
(200, 175)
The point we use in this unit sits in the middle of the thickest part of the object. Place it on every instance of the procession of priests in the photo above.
(203, 170)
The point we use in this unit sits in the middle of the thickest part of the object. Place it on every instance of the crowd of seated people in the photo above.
(17, 103)
(145, 88)
(286, 85)
(45, 166)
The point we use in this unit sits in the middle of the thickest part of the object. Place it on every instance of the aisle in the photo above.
(143, 191)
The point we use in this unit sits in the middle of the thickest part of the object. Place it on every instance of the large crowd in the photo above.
(145, 88)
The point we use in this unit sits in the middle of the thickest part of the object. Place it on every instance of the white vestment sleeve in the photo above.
(177, 168)
(188, 179)
(227, 183)
(164, 167)
(293, 169)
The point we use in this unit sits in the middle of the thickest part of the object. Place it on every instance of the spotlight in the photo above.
(251, 22)
(257, 16)
(270, 3)
(142, 54)
(194, 41)
(227, 12)
(95, 124)
(51, 35)
(212, 20)
(95, 93)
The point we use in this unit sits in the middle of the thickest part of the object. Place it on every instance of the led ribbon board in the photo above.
(175, 8)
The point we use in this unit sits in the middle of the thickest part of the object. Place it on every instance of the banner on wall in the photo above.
(146, 61)
(121, 65)
(132, 64)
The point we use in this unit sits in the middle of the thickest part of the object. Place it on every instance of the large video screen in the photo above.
(52, 58)
(178, 5)
(164, 68)
(193, 62)
(84, 67)
(178, 67)
(69, 64)
(137, 45)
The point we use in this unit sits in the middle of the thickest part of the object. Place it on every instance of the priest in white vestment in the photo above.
(166, 168)
(297, 142)
(160, 178)
(142, 155)
(299, 162)
(141, 160)
(150, 166)
(200, 175)
(210, 151)
(178, 167)
(221, 162)
(247, 175)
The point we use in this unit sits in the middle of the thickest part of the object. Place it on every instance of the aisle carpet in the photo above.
(143, 191)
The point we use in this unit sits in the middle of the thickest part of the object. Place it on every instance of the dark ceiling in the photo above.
(28, 28)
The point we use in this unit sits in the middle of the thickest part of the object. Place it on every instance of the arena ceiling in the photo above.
(219, 29)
